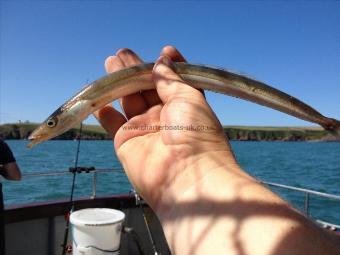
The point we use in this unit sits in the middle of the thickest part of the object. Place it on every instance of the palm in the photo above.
(148, 156)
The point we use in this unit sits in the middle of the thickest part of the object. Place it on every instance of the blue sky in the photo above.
(49, 49)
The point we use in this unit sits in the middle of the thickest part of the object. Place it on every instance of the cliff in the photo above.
(239, 133)
(248, 133)
(23, 130)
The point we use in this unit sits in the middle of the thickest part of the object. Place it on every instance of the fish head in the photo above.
(64, 118)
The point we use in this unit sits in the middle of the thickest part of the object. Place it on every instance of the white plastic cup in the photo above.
(96, 231)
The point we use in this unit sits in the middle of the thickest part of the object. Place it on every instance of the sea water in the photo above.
(312, 165)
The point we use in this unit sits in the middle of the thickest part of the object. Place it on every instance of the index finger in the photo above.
(173, 54)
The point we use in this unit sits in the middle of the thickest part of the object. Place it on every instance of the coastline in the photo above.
(21, 131)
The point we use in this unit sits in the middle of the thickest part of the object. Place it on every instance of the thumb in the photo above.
(169, 84)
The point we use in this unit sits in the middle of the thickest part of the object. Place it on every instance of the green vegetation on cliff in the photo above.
(240, 133)
(250, 133)
(23, 130)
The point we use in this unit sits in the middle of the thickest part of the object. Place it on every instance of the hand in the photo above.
(156, 159)
(205, 202)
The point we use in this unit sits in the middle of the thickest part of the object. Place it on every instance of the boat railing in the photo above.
(307, 192)
(86, 170)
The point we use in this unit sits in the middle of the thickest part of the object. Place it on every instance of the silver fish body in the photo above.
(137, 78)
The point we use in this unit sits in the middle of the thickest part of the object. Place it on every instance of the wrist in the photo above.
(196, 176)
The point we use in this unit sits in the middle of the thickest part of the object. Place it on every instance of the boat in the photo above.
(39, 228)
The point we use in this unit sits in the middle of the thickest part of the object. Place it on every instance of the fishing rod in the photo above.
(67, 226)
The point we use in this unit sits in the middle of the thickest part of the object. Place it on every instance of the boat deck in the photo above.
(39, 228)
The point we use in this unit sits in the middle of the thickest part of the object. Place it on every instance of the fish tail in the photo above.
(337, 129)
(333, 126)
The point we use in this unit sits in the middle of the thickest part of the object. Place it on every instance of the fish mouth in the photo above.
(36, 139)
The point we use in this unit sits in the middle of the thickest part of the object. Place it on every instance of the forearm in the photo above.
(225, 210)
(11, 171)
(2, 171)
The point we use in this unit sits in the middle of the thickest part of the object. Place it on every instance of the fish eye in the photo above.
(51, 123)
